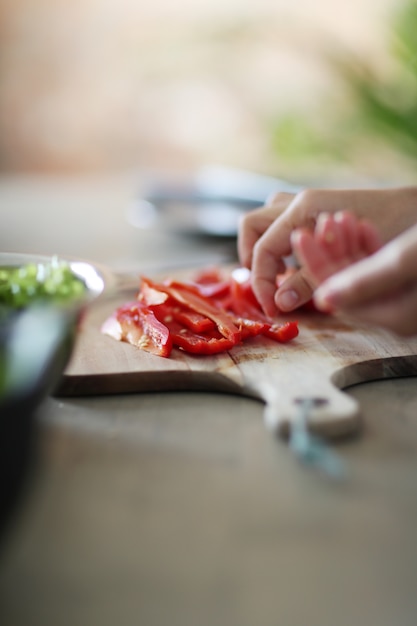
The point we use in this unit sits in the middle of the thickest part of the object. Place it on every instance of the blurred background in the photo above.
(310, 90)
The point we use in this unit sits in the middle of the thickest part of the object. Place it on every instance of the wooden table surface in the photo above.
(180, 508)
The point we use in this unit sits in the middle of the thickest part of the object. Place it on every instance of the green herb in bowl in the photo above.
(52, 281)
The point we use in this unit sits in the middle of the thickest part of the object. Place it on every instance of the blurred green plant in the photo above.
(389, 108)
(379, 107)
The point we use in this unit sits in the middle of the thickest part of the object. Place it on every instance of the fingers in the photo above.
(329, 235)
(253, 225)
(380, 289)
(264, 258)
(264, 274)
(346, 238)
(275, 244)
(337, 241)
(370, 239)
(341, 256)
(267, 263)
(392, 268)
(397, 312)
(320, 253)
(318, 263)
(295, 291)
(265, 239)
(268, 259)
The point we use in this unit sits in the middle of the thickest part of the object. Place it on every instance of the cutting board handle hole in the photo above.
(313, 401)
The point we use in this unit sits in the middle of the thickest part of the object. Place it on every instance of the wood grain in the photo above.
(328, 356)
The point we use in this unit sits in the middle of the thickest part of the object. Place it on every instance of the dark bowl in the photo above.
(36, 343)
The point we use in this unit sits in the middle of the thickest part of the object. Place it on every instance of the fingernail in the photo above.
(288, 300)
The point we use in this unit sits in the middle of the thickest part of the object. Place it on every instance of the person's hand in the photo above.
(264, 238)
(380, 289)
(336, 242)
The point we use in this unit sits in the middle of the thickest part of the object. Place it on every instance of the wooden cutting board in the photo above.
(327, 356)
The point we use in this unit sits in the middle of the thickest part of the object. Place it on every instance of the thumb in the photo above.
(295, 291)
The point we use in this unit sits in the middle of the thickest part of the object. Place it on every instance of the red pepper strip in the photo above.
(212, 283)
(188, 296)
(205, 290)
(244, 291)
(244, 303)
(140, 327)
(282, 333)
(150, 295)
(251, 328)
(200, 344)
(192, 320)
(211, 342)
(212, 290)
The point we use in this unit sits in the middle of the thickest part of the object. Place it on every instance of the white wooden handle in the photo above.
(333, 413)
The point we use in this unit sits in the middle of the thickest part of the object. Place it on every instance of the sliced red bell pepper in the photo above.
(212, 283)
(243, 301)
(212, 290)
(244, 291)
(282, 332)
(210, 342)
(192, 320)
(188, 296)
(139, 326)
(251, 328)
(153, 294)
(204, 317)
(201, 343)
